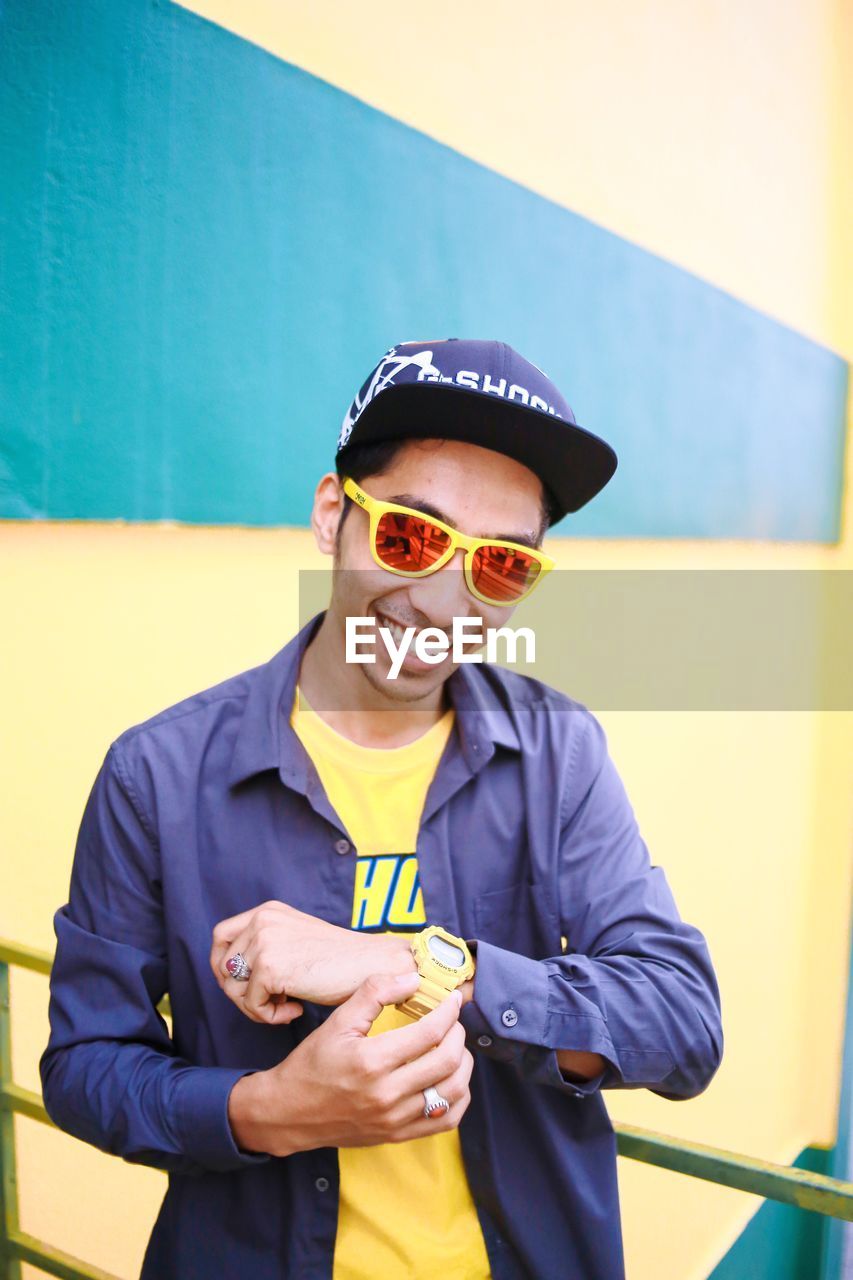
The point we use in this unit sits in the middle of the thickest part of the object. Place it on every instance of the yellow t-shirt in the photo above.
(406, 1211)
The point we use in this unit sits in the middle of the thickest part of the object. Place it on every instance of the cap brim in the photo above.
(573, 463)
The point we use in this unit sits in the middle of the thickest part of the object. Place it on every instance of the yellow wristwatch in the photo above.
(444, 963)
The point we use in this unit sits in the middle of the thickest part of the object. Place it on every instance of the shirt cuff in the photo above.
(201, 1105)
(578, 1088)
(510, 1018)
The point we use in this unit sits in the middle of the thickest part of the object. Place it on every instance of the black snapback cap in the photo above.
(484, 393)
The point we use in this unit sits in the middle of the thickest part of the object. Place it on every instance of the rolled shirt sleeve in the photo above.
(635, 984)
(109, 1072)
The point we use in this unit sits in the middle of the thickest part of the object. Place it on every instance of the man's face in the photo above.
(477, 491)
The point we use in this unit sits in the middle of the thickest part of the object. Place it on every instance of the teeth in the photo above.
(396, 628)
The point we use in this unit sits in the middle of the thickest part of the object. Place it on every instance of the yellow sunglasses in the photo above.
(412, 544)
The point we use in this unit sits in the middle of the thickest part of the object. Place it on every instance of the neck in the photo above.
(341, 694)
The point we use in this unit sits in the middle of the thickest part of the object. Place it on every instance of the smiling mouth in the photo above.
(397, 629)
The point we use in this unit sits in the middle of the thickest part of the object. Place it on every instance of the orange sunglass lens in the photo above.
(409, 544)
(504, 573)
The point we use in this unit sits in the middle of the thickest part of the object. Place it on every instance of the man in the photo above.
(407, 923)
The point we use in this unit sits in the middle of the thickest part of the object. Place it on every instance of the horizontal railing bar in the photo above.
(56, 1262)
(800, 1187)
(24, 1102)
(15, 953)
(25, 957)
(813, 1191)
(780, 1182)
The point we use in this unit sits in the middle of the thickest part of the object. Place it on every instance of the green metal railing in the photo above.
(797, 1187)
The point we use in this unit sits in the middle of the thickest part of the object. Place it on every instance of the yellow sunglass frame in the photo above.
(376, 509)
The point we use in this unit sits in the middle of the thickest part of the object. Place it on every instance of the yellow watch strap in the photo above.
(428, 996)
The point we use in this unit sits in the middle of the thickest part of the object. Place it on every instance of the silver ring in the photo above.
(238, 968)
(434, 1102)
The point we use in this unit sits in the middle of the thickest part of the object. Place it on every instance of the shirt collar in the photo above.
(480, 701)
(260, 742)
(265, 739)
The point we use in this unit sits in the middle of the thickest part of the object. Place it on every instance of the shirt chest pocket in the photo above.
(520, 918)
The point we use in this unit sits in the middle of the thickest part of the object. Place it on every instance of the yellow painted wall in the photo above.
(112, 622)
(709, 133)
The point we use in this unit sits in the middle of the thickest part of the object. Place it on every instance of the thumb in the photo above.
(364, 1006)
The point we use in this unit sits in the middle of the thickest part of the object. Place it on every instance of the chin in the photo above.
(409, 686)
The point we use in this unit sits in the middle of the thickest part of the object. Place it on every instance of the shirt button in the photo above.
(484, 1041)
(578, 1094)
(322, 1184)
(342, 846)
(509, 1017)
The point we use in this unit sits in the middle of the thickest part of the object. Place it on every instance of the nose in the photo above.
(444, 595)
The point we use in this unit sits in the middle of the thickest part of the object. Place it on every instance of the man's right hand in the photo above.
(341, 1087)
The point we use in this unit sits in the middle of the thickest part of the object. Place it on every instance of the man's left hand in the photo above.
(294, 957)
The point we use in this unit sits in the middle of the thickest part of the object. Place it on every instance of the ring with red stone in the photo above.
(434, 1103)
(238, 968)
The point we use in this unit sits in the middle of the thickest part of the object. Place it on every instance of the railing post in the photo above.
(10, 1267)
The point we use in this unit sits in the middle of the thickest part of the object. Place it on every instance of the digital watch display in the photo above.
(444, 963)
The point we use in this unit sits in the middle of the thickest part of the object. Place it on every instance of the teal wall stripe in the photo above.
(838, 1253)
(780, 1241)
(206, 250)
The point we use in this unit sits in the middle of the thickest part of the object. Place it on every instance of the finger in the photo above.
(217, 954)
(223, 935)
(453, 1087)
(426, 1126)
(227, 929)
(242, 944)
(277, 1011)
(358, 1014)
(235, 988)
(263, 986)
(260, 999)
(435, 1064)
(405, 1044)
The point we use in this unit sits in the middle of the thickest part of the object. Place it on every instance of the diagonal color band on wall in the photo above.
(206, 249)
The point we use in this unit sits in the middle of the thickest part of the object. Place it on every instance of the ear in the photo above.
(326, 513)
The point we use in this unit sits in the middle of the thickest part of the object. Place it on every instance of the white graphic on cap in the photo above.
(484, 383)
(387, 370)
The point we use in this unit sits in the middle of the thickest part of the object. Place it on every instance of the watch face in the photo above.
(446, 952)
